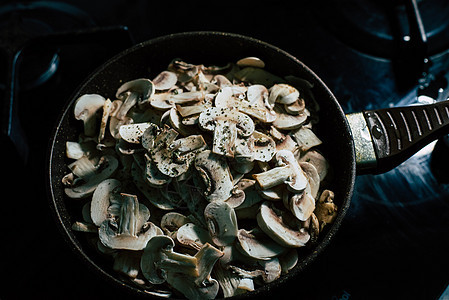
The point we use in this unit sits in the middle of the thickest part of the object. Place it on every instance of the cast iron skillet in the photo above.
(214, 48)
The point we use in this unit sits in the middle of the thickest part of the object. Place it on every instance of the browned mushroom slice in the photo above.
(326, 210)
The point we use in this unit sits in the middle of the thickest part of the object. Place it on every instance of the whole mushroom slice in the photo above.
(165, 80)
(159, 261)
(132, 133)
(132, 231)
(226, 124)
(221, 222)
(86, 107)
(286, 121)
(107, 166)
(283, 93)
(193, 236)
(301, 205)
(318, 161)
(256, 244)
(276, 227)
(131, 93)
(100, 200)
(288, 172)
(215, 174)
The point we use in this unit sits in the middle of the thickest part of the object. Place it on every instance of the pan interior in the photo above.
(208, 48)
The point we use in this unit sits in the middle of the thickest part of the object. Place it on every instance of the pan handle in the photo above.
(384, 138)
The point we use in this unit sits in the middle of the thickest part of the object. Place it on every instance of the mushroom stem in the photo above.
(273, 177)
(129, 215)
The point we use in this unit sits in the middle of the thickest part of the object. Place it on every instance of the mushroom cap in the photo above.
(165, 80)
(142, 86)
(215, 173)
(256, 244)
(151, 254)
(89, 187)
(132, 133)
(275, 227)
(85, 108)
(221, 222)
(100, 200)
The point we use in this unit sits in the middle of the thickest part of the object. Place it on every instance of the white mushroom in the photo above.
(165, 80)
(100, 200)
(276, 227)
(159, 261)
(221, 222)
(105, 168)
(215, 174)
(288, 172)
(193, 236)
(130, 230)
(256, 244)
(305, 138)
(301, 205)
(86, 107)
(132, 93)
(226, 124)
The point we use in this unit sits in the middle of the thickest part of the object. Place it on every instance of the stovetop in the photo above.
(393, 242)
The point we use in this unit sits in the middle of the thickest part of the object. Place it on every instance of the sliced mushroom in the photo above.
(132, 133)
(190, 290)
(288, 172)
(305, 138)
(301, 205)
(176, 157)
(193, 236)
(86, 107)
(256, 244)
(285, 121)
(100, 200)
(326, 209)
(131, 93)
(226, 124)
(251, 61)
(107, 166)
(159, 261)
(215, 174)
(283, 94)
(107, 106)
(172, 221)
(275, 226)
(288, 260)
(130, 230)
(165, 80)
(318, 161)
(221, 222)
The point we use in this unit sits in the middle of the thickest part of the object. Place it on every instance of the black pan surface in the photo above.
(210, 48)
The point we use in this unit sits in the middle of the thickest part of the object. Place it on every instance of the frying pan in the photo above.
(366, 142)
